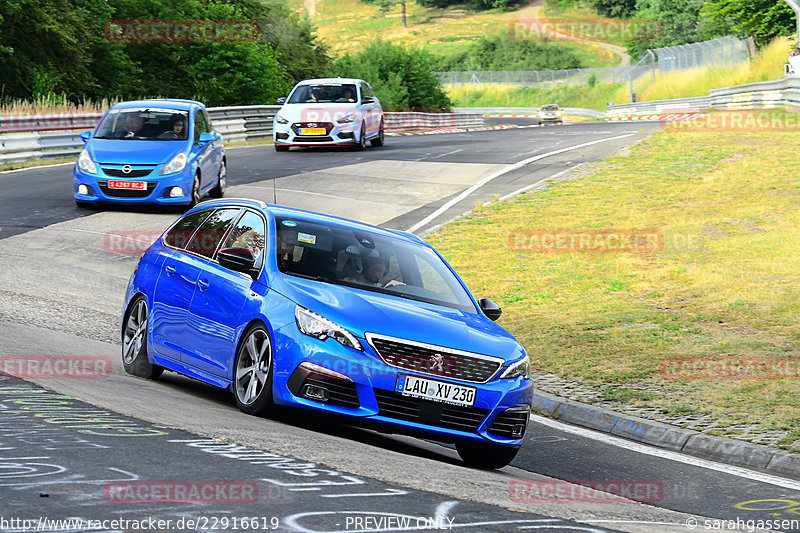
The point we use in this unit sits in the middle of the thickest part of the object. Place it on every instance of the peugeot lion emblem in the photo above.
(126, 169)
(437, 362)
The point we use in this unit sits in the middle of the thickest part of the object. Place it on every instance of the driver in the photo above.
(134, 124)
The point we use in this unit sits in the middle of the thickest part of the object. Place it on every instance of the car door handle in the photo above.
(170, 270)
(203, 284)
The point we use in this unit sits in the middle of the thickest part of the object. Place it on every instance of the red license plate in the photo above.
(131, 185)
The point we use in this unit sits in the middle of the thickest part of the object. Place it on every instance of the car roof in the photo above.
(548, 105)
(310, 216)
(323, 81)
(163, 103)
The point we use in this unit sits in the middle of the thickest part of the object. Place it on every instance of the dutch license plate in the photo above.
(436, 391)
(130, 185)
(312, 131)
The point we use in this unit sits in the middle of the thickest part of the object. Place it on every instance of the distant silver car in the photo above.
(550, 114)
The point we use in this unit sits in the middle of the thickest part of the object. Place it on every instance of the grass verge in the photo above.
(723, 287)
(767, 65)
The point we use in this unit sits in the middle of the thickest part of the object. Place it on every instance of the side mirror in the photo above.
(281, 100)
(490, 309)
(86, 135)
(238, 260)
(367, 100)
(205, 138)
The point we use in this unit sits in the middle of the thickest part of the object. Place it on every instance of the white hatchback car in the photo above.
(329, 111)
(550, 114)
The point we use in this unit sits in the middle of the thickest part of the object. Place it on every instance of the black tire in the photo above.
(281, 148)
(195, 198)
(361, 145)
(222, 181)
(378, 141)
(252, 374)
(485, 456)
(134, 342)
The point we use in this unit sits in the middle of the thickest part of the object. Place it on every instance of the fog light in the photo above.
(175, 192)
(83, 189)
(312, 392)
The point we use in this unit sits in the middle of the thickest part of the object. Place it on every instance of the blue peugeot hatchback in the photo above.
(289, 307)
(151, 151)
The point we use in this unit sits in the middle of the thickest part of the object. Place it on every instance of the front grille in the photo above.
(504, 424)
(340, 392)
(297, 125)
(313, 139)
(394, 405)
(135, 173)
(126, 193)
(435, 360)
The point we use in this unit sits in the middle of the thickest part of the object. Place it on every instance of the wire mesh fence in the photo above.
(722, 52)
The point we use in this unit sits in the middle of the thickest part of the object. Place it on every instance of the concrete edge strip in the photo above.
(658, 434)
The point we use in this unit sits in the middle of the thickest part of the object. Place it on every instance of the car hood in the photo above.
(133, 152)
(361, 311)
(316, 112)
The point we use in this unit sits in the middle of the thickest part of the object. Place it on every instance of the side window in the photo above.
(206, 239)
(178, 236)
(364, 91)
(248, 233)
(207, 121)
(200, 125)
(369, 90)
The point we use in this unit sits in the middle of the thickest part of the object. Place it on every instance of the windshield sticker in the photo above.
(306, 237)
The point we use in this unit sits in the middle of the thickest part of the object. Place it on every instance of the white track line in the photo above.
(499, 173)
(644, 449)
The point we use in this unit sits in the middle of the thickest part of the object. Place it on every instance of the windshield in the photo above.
(144, 124)
(550, 108)
(328, 93)
(344, 256)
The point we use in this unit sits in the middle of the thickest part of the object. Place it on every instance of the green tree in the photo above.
(501, 52)
(614, 8)
(763, 19)
(43, 40)
(402, 76)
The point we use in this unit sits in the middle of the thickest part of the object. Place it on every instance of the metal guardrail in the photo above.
(236, 124)
(577, 111)
(759, 95)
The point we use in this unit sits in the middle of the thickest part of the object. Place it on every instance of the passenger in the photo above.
(347, 95)
(177, 128)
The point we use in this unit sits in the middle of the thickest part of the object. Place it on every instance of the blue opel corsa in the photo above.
(151, 151)
(289, 307)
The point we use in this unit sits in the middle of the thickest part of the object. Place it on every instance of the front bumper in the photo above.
(362, 386)
(158, 188)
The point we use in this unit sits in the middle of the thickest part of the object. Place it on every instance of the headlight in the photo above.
(85, 163)
(315, 326)
(347, 119)
(520, 368)
(280, 120)
(176, 165)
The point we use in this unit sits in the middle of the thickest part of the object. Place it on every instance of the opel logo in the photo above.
(437, 363)
(126, 169)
